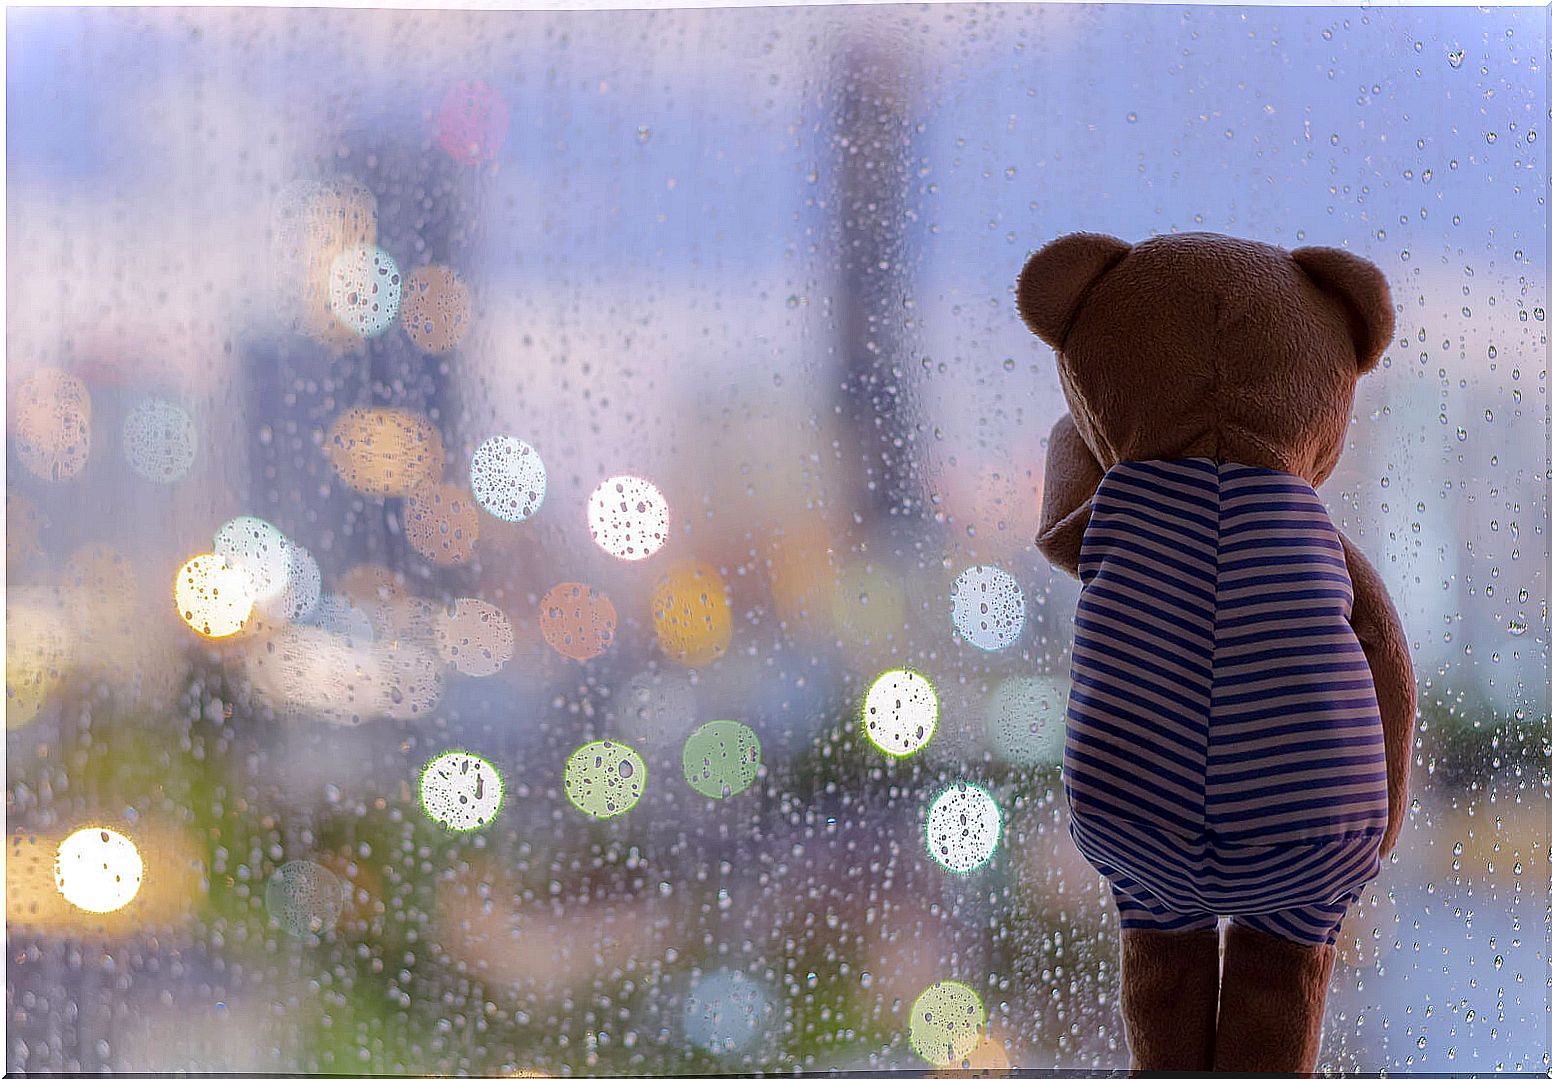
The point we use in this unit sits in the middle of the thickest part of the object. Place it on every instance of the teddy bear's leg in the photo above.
(1169, 983)
(1276, 974)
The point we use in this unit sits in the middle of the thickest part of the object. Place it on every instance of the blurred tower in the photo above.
(874, 169)
(298, 378)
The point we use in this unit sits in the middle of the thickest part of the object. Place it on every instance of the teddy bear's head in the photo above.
(1201, 345)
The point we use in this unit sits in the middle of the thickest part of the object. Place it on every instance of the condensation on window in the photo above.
(520, 524)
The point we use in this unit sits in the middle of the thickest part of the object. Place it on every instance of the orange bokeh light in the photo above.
(442, 522)
(577, 621)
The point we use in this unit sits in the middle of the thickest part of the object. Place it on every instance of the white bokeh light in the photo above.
(261, 550)
(98, 870)
(1024, 719)
(364, 289)
(159, 440)
(726, 1011)
(963, 827)
(508, 478)
(900, 713)
(628, 517)
(461, 791)
(988, 607)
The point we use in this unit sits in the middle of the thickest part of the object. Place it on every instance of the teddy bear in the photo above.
(1241, 705)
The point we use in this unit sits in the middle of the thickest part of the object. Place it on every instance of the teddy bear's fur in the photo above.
(1201, 345)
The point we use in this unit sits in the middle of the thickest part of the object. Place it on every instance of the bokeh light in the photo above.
(315, 223)
(900, 712)
(364, 289)
(655, 707)
(577, 621)
(98, 869)
(988, 1058)
(100, 586)
(471, 123)
(312, 671)
(159, 440)
(1024, 719)
(342, 615)
(24, 524)
(691, 614)
(442, 523)
(988, 607)
(461, 791)
(412, 679)
(721, 758)
(435, 308)
(475, 637)
(214, 597)
(947, 1021)
(38, 643)
(726, 1011)
(52, 424)
(963, 827)
(304, 898)
(508, 478)
(259, 549)
(628, 517)
(165, 898)
(298, 598)
(604, 778)
(868, 604)
(802, 579)
(386, 452)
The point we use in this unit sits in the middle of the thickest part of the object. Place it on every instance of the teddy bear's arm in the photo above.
(1072, 476)
(1379, 630)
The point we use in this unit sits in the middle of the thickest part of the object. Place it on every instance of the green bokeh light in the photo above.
(721, 758)
(900, 713)
(947, 1021)
(605, 778)
(964, 824)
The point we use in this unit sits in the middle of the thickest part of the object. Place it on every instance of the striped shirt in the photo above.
(1220, 700)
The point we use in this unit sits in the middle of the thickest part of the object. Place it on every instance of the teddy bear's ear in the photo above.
(1360, 288)
(1055, 279)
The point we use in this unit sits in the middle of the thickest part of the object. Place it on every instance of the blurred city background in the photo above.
(621, 402)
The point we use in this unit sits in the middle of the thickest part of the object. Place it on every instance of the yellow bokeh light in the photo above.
(166, 895)
(442, 522)
(691, 613)
(868, 604)
(387, 452)
(38, 645)
(214, 597)
(98, 870)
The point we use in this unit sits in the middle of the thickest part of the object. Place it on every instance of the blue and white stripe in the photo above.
(1224, 753)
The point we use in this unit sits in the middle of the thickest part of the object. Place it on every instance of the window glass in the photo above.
(520, 525)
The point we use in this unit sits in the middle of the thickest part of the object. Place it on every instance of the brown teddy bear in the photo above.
(1241, 708)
